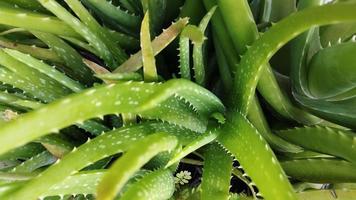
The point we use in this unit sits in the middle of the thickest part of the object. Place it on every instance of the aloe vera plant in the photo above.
(196, 112)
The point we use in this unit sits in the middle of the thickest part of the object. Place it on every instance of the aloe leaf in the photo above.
(13, 81)
(148, 59)
(198, 61)
(269, 43)
(71, 57)
(147, 187)
(300, 50)
(320, 170)
(267, 84)
(130, 6)
(85, 182)
(81, 44)
(40, 160)
(38, 52)
(125, 41)
(210, 105)
(35, 21)
(107, 144)
(224, 68)
(220, 31)
(257, 118)
(168, 111)
(90, 125)
(80, 28)
(276, 10)
(246, 36)
(336, 63)
(157, 10)
(31, 5)
(30, 80)
(333, 33)
(323, 139)
(200, 141)
(216, 174)
(134, 63)
(137, 156)
(340, 112)
(118, 53)
(192, 9)
(239, 137)
(242, 38)
(80, 183)
(281, 102)
(112, 98)
(116, 14)
(24, 152)
(120, 76)
(58, 145)
(192, 33)
(17, 101)
(45, 69)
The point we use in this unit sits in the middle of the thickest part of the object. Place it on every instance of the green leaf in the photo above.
(129, 163)
(326, 140)
(320, 170)
(147, 187)
(240, 138)
(216, 174)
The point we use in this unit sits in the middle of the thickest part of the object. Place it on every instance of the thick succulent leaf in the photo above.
(194, 145)
(92, 37)
(244, 32)
(257, 118)
(340, 112)
(217, 173)
(251, 66)
(148, 59)
(71, 57)
(240, 138)
(24, 152)
(326, 140)
(157, 11)
(137, 155)
(31, 5)
(43, 159)
(320, 170)
(206, 105)
(45, 70)
(131, 76)
(198, 50)
(18, 101)
(80, 183)
(37, 52)
(57, 144)
(333, 33)
(134, 63)
(108, 99)
(111, 13)
(32, 81)
(192, 33)
(84, 15)
(332, 70)
(107, 144)
(35, 21)
(277, 10)
(147, 187)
